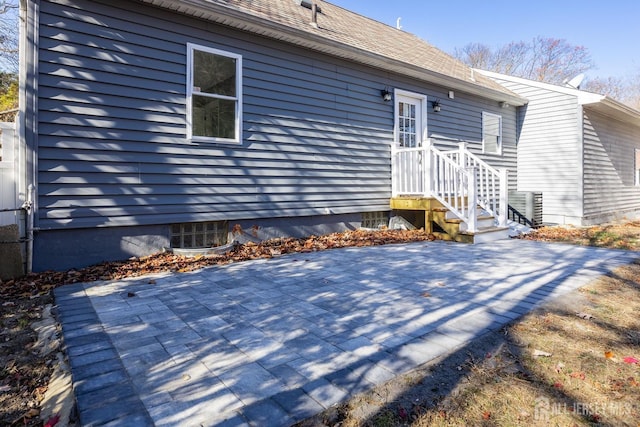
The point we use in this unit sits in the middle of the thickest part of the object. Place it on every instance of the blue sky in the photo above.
(609, 29)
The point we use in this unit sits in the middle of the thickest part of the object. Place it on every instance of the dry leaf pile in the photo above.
(41, 283)
(624, 235)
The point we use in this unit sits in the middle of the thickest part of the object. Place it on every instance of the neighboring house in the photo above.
(163, 123)
(579, 149)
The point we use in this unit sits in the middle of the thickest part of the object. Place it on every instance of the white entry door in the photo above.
(408, 174)
(410, 116)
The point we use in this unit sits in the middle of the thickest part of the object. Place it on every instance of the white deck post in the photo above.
(394, 170)
(504, 197)
(472, 221)
(462, 160)
(428, 167)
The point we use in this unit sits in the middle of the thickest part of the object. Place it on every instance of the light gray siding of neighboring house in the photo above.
(112, 147)
(550, 151)
(609, 168)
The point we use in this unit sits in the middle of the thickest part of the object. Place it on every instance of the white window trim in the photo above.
(238, 98)
(396, 110)
(499, 117)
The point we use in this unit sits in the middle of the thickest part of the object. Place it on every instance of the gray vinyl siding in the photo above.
(463, 121)
(609, 156)
(549, 151)
(111, 121)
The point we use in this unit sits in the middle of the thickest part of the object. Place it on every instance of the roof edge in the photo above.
(601, 103)
(584, 97)
(229, 16)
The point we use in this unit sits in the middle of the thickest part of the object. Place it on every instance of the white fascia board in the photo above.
(615, 110)
(598, 102)
(584, 97)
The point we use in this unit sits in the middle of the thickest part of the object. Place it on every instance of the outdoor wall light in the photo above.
(436, 105)
(386, 95)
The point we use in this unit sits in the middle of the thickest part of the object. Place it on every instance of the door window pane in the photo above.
(407, 124)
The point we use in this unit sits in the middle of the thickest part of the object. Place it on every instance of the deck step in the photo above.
(455, 229)
(490, 234)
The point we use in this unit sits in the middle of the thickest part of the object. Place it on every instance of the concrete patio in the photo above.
(272, 342)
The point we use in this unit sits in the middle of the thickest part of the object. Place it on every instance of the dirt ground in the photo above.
(25, 373)
(428, 396)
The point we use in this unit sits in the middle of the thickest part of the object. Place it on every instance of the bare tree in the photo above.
(9, 59)
(544, 59)
(623, 89)
(476, 55)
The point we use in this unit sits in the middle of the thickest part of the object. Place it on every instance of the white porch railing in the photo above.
(458, 179)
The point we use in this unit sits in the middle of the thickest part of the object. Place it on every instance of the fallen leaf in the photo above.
(131, 294)
(580, 375)
(609, 354)
(426, 294)
(630, 360)
(402, 413)
(558, 384)
(559, 367)
(51, 422)
(31, 413)
(540, 353)
(585, 316)
(151, 282)
(486, 415)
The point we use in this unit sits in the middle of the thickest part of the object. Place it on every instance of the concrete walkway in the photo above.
(271, 342)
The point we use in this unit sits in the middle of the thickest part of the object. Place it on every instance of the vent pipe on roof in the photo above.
(315, 9)
(314, 14)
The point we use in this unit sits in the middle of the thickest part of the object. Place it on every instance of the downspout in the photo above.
(581, 164)
(28, 207)
(28, 115)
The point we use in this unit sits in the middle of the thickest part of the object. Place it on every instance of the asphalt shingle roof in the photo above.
(353, 31)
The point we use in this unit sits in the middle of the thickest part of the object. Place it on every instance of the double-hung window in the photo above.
(214, 95)
(491, 133)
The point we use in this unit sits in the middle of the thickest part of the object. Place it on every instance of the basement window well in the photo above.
(194, 235)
